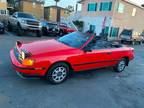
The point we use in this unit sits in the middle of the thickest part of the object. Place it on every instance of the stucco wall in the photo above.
(96, 13)
(37, 10)
(97, 21)
(126, 20)
(3, 5)
(96, 17)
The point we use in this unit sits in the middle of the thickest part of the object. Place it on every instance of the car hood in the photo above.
(44, 46)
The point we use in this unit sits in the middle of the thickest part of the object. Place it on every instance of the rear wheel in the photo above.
(3, 31)
(121, 65)
(140, 42)
(9, 27)
(38, 33)
(58, 73)
(122, 41)
(61, 33)
(44, 31)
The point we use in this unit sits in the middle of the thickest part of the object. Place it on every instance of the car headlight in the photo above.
(40, 25)
(47, 27)
(23, 21)
(23, 55)
(28, 62)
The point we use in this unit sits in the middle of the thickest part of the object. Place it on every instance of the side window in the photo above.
(101, 44)
(14, 15)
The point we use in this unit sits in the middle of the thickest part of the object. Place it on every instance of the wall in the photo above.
(96, 13)
(126, 20)
(97, 21)
(51, 13)
(3, 4)
(96, 17)
(37, 10)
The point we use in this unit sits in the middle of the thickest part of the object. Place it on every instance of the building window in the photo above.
(106, 6)
(114, 32)
(106, 30)
(92, 28)
(92, 6)
(120, 8)
(134, 12)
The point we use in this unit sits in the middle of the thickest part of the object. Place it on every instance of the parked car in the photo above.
(142, 34)
(49, 28)
(22, 22)
(55, 59)
(66, 29)
(2, 28)
(129, 36)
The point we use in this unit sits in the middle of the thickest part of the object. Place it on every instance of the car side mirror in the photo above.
(14, 16)
(87, 50)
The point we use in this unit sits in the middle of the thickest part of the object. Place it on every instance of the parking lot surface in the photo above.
(101, 88)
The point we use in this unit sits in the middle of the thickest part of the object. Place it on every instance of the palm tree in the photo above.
(57, 1)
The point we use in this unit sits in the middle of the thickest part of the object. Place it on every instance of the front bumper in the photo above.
(26, 71)
(30, 27)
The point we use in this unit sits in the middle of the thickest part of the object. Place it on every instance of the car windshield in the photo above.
(126, 32)
(75, 39)
(51, 25)
(25, 15)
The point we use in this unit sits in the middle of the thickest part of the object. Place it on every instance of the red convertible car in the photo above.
(55, 59)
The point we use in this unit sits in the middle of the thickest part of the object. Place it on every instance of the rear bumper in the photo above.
(26, 71)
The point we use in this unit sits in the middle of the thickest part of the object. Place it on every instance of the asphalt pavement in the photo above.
(101, 88)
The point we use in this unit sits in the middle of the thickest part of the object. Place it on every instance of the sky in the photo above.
(65, 3)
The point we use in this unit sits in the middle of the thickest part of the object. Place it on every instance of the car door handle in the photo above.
(109, 53)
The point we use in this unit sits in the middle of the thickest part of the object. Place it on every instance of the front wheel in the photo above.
(58, 73)
(19, 31)
(120, 66)
(9, 27)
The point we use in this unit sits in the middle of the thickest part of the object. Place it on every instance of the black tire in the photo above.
(122, 63)
(122, 41)
(2, 32)
(44, 31)
(61, 33)
(140, 42)
(9, 27)
(38, 33)
(19, 31)
(59, 76)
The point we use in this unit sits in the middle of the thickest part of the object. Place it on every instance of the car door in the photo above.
(98, 57)
(14, 19)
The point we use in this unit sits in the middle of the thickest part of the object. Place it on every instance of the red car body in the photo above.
(48, 52)
(66, 29)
